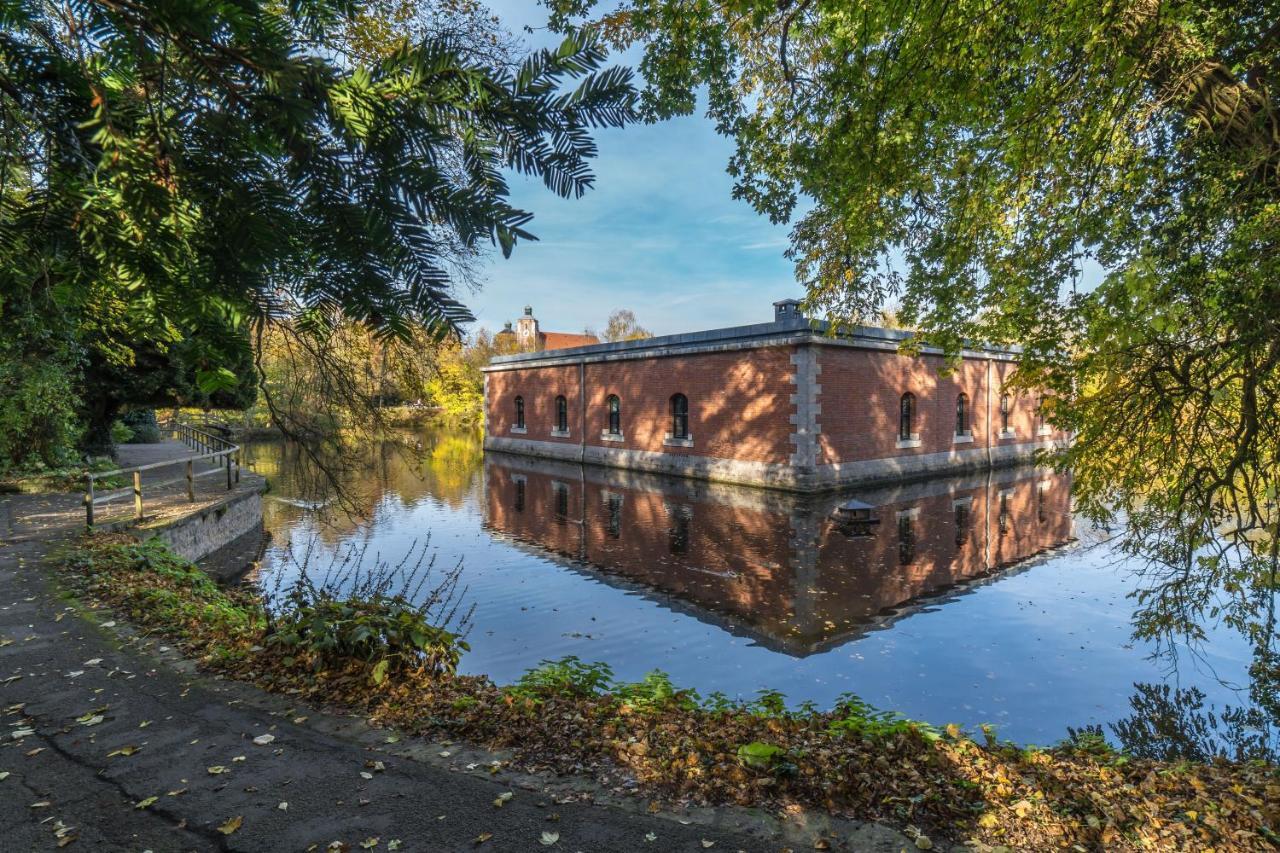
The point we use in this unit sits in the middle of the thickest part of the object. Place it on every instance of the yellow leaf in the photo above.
(232, 825)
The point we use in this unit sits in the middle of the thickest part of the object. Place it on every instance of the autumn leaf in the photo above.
(482, 838)
(147, 803)
(231, 825)
(549, 838)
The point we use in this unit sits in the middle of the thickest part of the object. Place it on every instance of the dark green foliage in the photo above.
(173, 175)
(146, 430)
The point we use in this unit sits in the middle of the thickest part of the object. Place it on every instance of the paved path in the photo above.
(97, 723)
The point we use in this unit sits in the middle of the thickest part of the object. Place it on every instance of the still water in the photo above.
(969, 600)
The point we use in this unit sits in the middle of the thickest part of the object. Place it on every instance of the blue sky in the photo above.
(659, 234)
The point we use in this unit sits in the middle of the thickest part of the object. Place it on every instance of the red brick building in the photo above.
(782, 404)
(529, 337)
(797, 580)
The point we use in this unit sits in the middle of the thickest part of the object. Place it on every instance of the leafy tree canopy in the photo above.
(623, 326)
(969, 159)
(172, 168)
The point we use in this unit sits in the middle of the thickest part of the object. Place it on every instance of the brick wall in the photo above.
(739, 403)
(862, 392)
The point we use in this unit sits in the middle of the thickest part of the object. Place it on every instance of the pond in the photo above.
(970, 600)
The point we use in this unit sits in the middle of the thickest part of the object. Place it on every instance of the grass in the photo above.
(376, 656)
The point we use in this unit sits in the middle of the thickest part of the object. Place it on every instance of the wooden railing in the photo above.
(207, 446)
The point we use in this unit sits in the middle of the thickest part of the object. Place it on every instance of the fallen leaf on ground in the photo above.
(142, 804)
(217, 769)
(124, 750)
(283, 807)
(502, 799)
(393, 844)
(231, 825)
(369, 843)
(482, 838)
(549, 838)
(263, 740)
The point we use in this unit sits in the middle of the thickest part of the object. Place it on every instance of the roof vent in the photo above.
(787, 309)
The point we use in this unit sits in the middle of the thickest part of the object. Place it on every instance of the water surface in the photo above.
(971, 600)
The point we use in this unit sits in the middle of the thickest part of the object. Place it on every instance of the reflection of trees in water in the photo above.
(439, 463)
(1173, 724)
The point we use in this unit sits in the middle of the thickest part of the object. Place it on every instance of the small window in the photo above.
(1005, 407)
(907, 416)
(962, 414)
(906, 539)
(562, 414)
(962, 523)
(520, 412)
(615, 415)
(560, 492)
(520, 495)
(1003, 518)
(678, 531)
(679, 416)
(613, 506)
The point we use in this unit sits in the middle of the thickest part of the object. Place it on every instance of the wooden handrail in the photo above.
(211, 447)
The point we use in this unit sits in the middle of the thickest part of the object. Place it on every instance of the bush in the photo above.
(568, 676)
(120, 433)
(146, 430)
(388, 633)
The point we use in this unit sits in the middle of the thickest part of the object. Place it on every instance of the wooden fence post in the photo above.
(227, 456)
(137, 494)
(191, 482)
(88, 501)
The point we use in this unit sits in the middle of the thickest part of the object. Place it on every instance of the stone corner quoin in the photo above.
(786, 404)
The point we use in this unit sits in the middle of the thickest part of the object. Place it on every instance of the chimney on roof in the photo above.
(786, 309)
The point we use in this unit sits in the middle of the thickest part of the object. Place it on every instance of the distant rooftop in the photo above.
(788, 327)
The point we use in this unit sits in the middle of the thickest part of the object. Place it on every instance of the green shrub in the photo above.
(390, 634)
(121, 433)
(568, 676)
(146, 429)
(858, 719)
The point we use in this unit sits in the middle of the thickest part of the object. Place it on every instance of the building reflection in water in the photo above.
(793, 572)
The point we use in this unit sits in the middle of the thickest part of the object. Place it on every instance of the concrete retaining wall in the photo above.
(199, 533)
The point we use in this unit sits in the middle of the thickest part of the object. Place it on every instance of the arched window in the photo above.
(615, 415)
(1005, 407)
(679, 416)
(520, 412)
(962, 414)
(907, 416)
(562, 414)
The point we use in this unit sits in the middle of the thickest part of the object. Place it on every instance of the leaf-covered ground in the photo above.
(852, 761)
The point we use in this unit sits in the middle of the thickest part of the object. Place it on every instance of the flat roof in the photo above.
(788, 331)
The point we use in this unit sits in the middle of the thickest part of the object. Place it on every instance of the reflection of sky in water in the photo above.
(1034, 650)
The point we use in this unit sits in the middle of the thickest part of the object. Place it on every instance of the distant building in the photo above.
(786, 404)
(527, 337)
